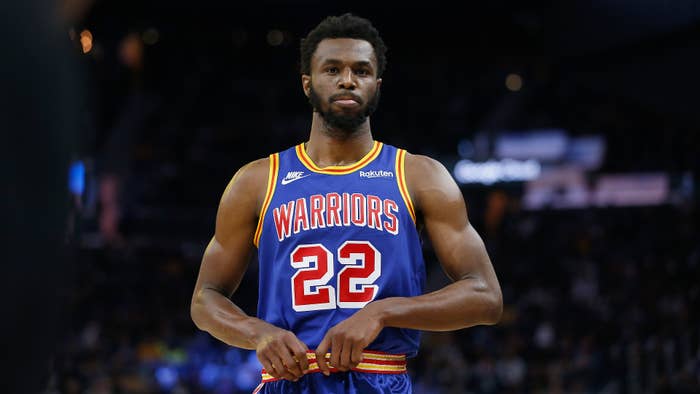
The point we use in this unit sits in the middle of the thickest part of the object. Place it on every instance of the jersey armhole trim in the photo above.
(401, 181)
(271, 185)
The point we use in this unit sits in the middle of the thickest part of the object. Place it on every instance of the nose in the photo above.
(346, 80)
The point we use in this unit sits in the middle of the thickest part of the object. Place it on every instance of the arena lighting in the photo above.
(275, 37)
(76, 178)
(150, 36)
(492, 171)
(86, 40)
(166, 376)
(514, 82)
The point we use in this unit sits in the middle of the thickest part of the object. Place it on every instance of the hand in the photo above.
(281, 353)
(348, 339)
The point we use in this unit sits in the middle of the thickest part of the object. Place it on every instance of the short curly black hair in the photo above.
(343, 26)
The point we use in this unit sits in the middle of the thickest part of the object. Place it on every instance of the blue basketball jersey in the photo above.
(331, 240)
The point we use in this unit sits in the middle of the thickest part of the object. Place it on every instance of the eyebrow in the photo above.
(363, 63)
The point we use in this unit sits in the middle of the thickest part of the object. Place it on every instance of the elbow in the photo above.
(490, 307)
(196, 312)
(494, 308)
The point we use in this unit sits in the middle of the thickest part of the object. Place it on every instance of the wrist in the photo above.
(256, 330)
(379, 310)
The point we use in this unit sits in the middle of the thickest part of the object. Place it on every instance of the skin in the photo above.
(342, 66)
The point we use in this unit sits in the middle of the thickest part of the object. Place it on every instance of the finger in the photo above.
(267, 365)
(321, 356)
(336, 348)
(344, 355)
(299, 350)
(356, 357)
(290, 363)
(281, 369)
(295, 353)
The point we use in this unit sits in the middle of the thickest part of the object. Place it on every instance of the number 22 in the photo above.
(355, 282)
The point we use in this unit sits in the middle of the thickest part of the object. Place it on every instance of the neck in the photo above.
(330, 147)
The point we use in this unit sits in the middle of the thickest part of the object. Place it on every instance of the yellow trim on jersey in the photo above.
(372, 362)
(338, 170)
(401, 181)
(271, 184)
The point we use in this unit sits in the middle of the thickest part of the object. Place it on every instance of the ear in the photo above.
(306, 84)
(379, 83)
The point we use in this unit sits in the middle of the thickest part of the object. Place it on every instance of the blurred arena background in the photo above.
(572, 128)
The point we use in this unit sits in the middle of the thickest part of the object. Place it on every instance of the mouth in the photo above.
(346, 100)
(346, 97)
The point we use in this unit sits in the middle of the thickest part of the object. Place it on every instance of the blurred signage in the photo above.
(551, 146)
(544, 145)
(567, 187)
(631, 189)
(492, 171)
(559, 188)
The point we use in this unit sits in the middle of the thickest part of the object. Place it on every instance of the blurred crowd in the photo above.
(596, 300)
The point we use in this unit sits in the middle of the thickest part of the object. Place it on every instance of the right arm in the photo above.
(223, 265)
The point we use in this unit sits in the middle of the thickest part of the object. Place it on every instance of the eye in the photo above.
(332, 70)
(362, 72)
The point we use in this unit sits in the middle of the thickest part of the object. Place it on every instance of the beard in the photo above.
(343, 121)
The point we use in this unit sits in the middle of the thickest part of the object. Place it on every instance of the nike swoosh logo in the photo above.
(287, 181)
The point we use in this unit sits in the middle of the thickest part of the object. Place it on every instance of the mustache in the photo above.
(345, 95)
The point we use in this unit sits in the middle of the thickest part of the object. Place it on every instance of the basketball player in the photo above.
(335, 222)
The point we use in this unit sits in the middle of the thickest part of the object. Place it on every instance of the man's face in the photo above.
(343, 86)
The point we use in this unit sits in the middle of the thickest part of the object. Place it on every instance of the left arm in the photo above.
(473, 298)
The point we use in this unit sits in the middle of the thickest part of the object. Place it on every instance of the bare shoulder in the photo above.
(425, 172)
(422, 165)
(248, 185)
(429, 181)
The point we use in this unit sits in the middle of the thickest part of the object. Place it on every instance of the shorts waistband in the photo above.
(372, 362)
